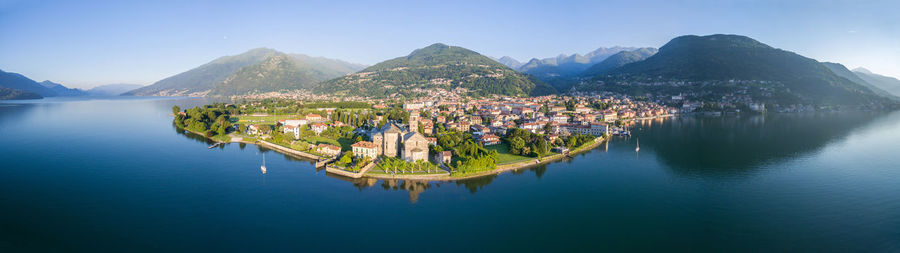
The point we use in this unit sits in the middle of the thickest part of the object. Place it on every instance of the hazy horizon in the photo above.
(86, 44)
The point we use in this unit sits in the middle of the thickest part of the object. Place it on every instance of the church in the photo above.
(394, 141)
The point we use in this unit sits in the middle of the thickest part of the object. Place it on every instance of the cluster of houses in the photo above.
(486, 119)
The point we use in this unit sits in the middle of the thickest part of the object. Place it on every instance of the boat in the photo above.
(263, 167)
(638, 148)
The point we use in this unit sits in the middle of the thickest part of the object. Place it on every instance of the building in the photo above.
(318, 128)
(312, 117)
(328, 149)
(415, 147)
(394, 141)
(292, 129)
(365, 149)
(489, 139)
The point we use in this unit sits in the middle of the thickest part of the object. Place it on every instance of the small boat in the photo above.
(638, 146)
(263, 167)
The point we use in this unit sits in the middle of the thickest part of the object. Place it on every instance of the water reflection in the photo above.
(728, 145)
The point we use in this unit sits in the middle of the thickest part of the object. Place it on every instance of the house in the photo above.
(318, 128)
(393, 140)
(312, 117)
(444, 157)
(582, 109)
(489, 139)
(253, 129)
(609, 116)
(431, 141)
(328, 149)
(365, 149)
(293, 130)
(480, 130)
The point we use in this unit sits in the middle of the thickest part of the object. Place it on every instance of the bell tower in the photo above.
(414, 121)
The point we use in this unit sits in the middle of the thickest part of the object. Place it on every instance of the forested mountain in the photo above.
(889, 84)
(19, 82)
(436, 66)
(257, 70)
(619, 59)
(283, 72)
(7, 93)
(733, 61)
(199, 80)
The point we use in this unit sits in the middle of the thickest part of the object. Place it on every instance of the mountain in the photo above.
(739, 62)
(435, 66)
(111, 89)
(510, 62)
(283, 72)
(889, 84)
(839, 70)
(568, 65)
(61, 90)
(211, 77)
(7, 93)
(619, 59)
(19, 82)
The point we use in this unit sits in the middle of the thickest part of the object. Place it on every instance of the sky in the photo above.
(88, 43)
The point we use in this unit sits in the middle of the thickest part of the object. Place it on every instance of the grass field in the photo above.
(504, 157)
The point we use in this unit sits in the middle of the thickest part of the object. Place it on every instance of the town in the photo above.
(439, 136)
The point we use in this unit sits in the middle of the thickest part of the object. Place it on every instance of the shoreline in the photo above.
(430, 177)
(500, 168)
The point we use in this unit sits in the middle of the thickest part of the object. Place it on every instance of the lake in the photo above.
(115, 175)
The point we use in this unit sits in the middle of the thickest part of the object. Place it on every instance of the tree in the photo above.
(242, 128)
(516, 144)
(347, 158)
(176, 109)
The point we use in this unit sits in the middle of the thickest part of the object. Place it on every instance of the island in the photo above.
(449, 137)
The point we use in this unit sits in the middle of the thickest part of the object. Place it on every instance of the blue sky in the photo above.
(88, 43)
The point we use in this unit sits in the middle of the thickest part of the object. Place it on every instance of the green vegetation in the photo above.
(393, 165)
(211, 120)
(282, 72)
(436, 66)
(504, 156)
(6, 93)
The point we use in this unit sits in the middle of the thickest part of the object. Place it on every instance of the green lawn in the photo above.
(504, 157)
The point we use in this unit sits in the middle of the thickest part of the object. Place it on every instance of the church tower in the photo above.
(414, 121)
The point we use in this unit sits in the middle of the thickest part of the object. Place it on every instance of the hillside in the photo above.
(619, 59)
(283, 72)
(510, 62)
(61, 90)
(21, 83)
(257, 70)
(839, 70)
(741, 62)
(200, 80)
(889, 84)
(435, 66)
(7, 93)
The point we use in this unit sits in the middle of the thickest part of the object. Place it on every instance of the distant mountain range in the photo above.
(436, 66)
(258, 70)
(619, 59)
(714, 65)
(724, 58)
(112, 89)
(564, 65)
(886, 83)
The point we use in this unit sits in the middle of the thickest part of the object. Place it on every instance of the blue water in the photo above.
(115, 175)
